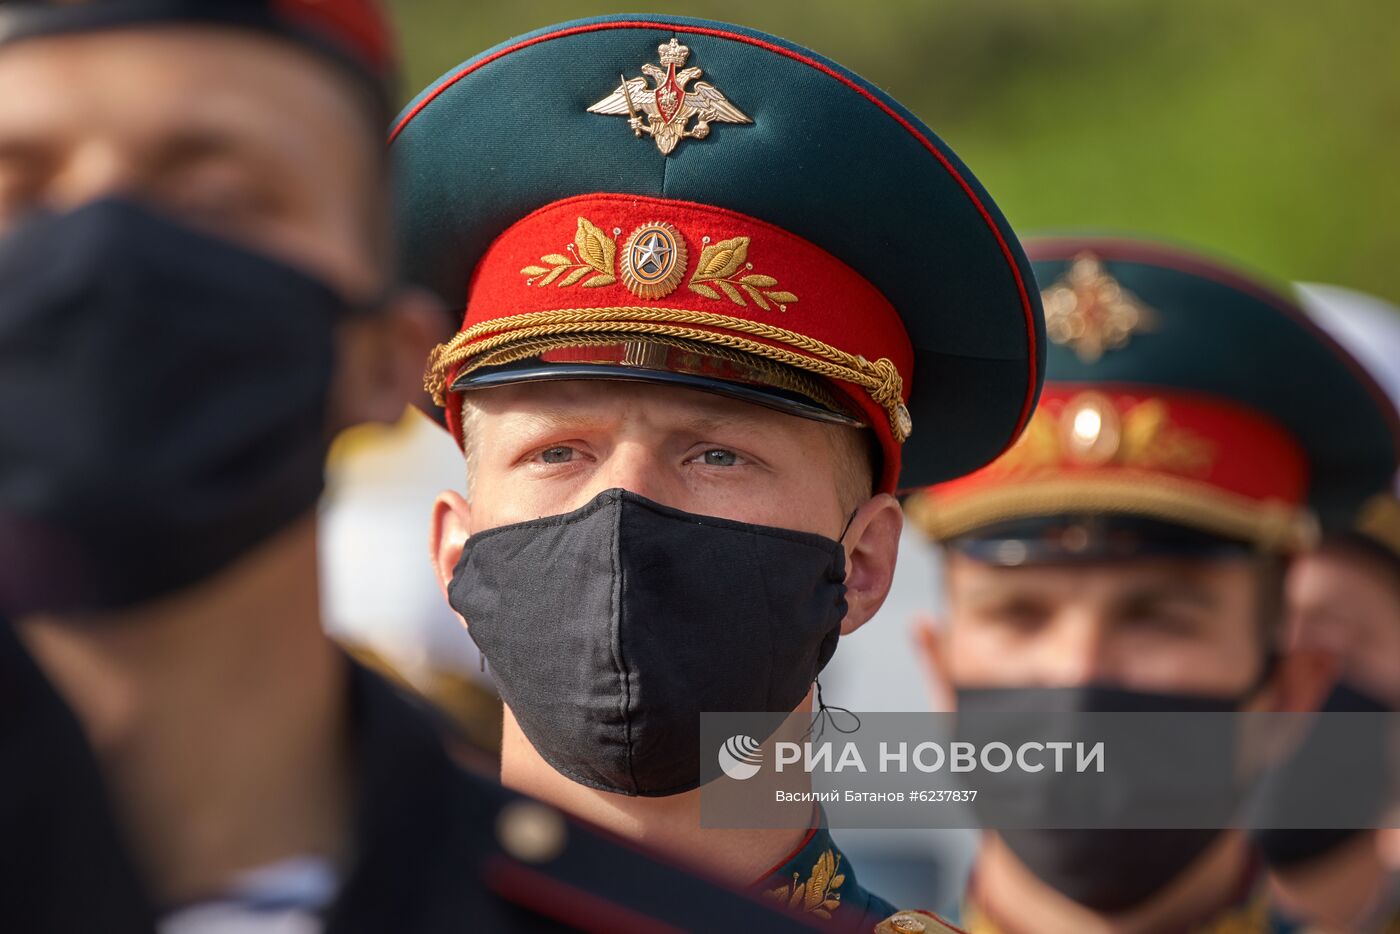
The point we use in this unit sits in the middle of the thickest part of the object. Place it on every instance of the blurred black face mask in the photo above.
(611, 628)
(162, 405)
(1312, 767)
(1109, 870)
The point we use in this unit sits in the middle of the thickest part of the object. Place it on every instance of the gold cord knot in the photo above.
(889, 395)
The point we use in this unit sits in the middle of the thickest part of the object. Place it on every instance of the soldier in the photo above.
(1344, 599)
(197, 292)
(1129, 554)
(701, 319)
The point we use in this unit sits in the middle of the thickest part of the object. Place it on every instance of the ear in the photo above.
(1388, 845)
(447, 534)
(872, 543)
(1302, 677)
(381, 358)
(930, 645)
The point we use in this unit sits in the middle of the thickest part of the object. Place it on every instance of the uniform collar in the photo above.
(817, 881)
(1248, 912)
(404, 777)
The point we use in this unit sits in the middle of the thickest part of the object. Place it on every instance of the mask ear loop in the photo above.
(1266, 674)
(840, 539)
(825, 716)
(824, 710)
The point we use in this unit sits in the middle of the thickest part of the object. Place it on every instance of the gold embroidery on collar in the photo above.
(818, 895)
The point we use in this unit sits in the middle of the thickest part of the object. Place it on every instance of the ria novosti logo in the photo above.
(740, 757)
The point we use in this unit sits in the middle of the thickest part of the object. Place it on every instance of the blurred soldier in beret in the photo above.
(197, 293)
(1128, 554)
(711, 282)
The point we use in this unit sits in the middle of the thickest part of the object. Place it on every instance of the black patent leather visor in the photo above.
(687, 364)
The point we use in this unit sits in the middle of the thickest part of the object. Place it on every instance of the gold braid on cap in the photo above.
(772, 374)
(1271, 525)
(880, 379)
(1380, 521)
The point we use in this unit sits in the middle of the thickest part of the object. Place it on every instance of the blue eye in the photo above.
(559, 455)
(720, 458)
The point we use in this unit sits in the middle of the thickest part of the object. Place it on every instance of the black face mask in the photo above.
(1311, 767)
(1107, 870)
(611, 628)
(162, 406)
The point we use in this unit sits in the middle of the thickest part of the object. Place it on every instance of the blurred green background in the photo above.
(1266, 131)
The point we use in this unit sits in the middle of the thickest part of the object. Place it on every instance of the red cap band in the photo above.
(622, 263)
(1095, 428)
(1091, 447)
(359, 26)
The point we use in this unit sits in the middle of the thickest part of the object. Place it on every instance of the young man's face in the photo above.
(245, 136)
(1347, 602)
(1156, 625)
(549, 447)
(543, 448)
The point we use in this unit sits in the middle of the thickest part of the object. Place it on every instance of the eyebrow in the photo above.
(187, 144)
(545, 418)
(693, 417)
(21, 144)
(741, 418)
(1006, 591)
(1170, 593)
(1001, 592)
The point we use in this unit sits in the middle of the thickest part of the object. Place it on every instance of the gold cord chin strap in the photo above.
(880, 379)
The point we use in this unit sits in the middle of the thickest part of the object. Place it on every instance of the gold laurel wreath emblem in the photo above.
(1143, 436)
(722, 272)
(719, 267)
(592, 251)
(818, 895)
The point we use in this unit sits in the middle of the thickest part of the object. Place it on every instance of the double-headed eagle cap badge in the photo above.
(664, 112)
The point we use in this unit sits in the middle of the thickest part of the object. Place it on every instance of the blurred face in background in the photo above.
(1345, 600)
(190, 146)
(1155, 625)
(235, 133)
(242, 135)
